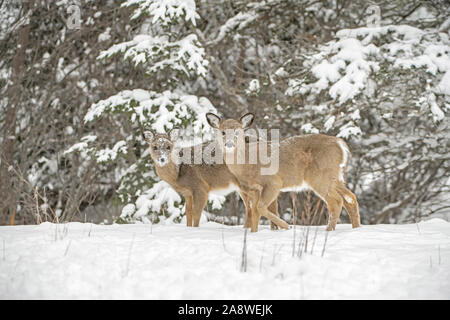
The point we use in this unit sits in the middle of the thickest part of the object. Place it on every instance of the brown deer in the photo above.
(315, 161)
(195, 181)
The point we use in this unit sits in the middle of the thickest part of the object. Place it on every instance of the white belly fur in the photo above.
(232, 188)
(303, 187)
(223, 192)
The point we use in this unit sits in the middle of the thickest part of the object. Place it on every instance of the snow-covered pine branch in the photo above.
(164, 12)
(157, 53)
(348, 67)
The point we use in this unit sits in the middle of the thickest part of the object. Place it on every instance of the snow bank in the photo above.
(85, 261)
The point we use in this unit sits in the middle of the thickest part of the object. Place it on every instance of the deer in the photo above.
(314, 162)
(194, 181)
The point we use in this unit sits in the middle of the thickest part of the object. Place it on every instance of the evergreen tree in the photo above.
(169, 56)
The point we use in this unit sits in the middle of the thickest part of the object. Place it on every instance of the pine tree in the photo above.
(168, 54)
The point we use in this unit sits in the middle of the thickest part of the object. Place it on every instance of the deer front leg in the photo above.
(269, 195)
(254, 194)
(249, 196)
(273, 207)
(262, 209)
(188, 199)
(248, 214)
(200, 198)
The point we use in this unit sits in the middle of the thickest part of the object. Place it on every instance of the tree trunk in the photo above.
(8, 197)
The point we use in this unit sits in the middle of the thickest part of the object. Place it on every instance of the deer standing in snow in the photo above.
(195, 181)
(315, 161)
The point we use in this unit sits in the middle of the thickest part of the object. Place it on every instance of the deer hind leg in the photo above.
(334, 203)
(351, 206)
(200, 199)
(188, 199)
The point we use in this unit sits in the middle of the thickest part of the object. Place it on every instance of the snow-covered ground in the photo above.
(75, 260)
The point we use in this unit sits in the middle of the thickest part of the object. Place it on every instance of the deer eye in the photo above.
(223, 133)
(168, 147)
(155, 148)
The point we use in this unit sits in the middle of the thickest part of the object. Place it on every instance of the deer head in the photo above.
(230, 131)
(161, 145)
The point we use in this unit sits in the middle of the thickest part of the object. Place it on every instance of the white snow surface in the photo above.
(87, 261)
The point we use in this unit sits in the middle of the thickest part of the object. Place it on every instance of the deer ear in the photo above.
(149, 135)
(247, 120)
(213, 120)
(174, 134)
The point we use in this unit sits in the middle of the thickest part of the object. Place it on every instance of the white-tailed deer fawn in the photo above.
(316, 161)
(195, 181)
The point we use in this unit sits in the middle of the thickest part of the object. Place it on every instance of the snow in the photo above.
(185, 54)
(445, 26)
(444, 86)
(404, 31)
(164, 11)
(281, 72)
(183, 105)
(81, 145)
(329, 123)
(159, 195)
(238, 22)
(437, 113)
(309, 128)
(107, 154)
(86, 261)
(349, 130)
(105, 35)
(253, 87)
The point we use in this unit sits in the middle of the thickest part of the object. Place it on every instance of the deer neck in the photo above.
(169, 172)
